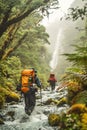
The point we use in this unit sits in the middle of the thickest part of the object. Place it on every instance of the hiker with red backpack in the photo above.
(28, 80)
(52, 81)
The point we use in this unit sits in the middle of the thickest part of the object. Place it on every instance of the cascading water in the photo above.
(38, 120)
(57, 47)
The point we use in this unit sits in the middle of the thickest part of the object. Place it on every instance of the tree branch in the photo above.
(4, 26)
(15, 47)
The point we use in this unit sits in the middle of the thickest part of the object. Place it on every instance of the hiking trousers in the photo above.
(52, 87)
(30, 100)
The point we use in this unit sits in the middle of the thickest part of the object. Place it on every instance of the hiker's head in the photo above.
(34, 70)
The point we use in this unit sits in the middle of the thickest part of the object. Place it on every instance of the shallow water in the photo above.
(38, 120)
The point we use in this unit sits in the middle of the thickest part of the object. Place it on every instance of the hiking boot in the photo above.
(28, 112)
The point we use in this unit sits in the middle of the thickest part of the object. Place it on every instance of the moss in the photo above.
(74, 86)
(77, 108)
(2, 101)
(7, 95)
(73, 89)
(3, 92)
(70, 122)
(54, 119)
(12, 96)
(84, 121)
(80, 98)
(62, 101)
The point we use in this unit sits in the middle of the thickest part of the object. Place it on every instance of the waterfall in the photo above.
(56, 50)
(57, 45)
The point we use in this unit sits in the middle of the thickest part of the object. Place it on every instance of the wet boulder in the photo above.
(53, 119)
(1, 121)
(51, 101)
(11, 115)
(77, 108)
(61, 102)
(12, 97)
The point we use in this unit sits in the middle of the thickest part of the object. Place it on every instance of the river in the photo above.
(38, 120)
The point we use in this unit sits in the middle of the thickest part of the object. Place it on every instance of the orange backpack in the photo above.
(27, 78)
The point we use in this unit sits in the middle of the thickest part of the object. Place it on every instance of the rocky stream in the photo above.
(15, 118)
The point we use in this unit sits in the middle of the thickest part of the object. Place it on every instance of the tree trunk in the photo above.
(15, 47)
(4, 26)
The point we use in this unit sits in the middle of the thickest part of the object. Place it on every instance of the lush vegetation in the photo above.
(22, 42)
(75, 79)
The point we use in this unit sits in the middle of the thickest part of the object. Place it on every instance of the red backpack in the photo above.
(52, 78)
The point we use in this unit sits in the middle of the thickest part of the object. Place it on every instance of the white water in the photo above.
(56, 49)
(39, 118)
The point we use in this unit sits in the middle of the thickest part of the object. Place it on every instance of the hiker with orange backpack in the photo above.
(28, 80)
(52, 81)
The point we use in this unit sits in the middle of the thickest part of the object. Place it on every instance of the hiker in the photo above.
(30, 89)
(52, 81)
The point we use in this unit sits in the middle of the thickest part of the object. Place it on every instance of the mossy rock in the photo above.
(53, 119)
(48, 102)
(80, 98)
(7, 95)
(12, 97)
(1, 121)
(84, 121)
(3, 92)
(62, 101)
(51, 101)
(2, 101)
(77, 108)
